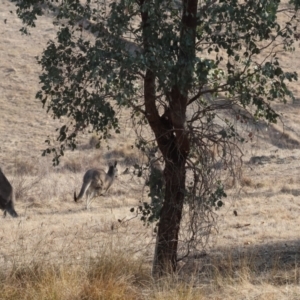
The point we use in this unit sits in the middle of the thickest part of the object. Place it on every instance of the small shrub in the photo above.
(24, 186)
(259, 185)
(73, 165)
(285, 190)
(246, 181)
(24, 167)
(94, 142)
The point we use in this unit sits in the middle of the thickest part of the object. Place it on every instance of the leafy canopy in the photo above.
(98, 61)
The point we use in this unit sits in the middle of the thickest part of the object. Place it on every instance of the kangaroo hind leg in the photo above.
(89, 198)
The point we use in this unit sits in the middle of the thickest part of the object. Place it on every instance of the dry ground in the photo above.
(255, 254)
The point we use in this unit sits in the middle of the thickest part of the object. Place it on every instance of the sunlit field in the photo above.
(57, 249)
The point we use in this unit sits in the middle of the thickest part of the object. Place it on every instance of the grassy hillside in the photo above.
(58, 250)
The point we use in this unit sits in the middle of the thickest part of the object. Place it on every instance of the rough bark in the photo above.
(165, 260)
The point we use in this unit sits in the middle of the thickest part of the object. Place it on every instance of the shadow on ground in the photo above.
(278, 263)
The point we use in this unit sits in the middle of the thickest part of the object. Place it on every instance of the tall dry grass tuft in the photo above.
(105, 277)
(25, 186)
(117, 275)
(175, 288)
(41, 282)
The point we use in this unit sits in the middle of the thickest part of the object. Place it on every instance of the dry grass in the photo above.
(106, 277)
(120, 276)
(58, 250)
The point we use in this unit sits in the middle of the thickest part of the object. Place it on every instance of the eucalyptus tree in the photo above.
(185, 69)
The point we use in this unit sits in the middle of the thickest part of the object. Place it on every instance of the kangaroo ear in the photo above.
(115, 163)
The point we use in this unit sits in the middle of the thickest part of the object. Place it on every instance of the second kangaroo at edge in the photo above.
(96, 182)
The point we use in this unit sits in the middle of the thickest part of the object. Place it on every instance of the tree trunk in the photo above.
(165, 259)
(171, 134)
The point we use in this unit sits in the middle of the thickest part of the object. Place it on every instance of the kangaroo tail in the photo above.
(83, 190)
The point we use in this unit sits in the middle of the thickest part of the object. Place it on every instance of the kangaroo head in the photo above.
(113, 171)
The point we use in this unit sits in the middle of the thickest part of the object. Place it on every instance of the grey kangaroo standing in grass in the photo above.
(6, 196)
(96, 182)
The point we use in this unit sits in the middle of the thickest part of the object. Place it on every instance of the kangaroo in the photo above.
(96, 182)
(6, 196)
